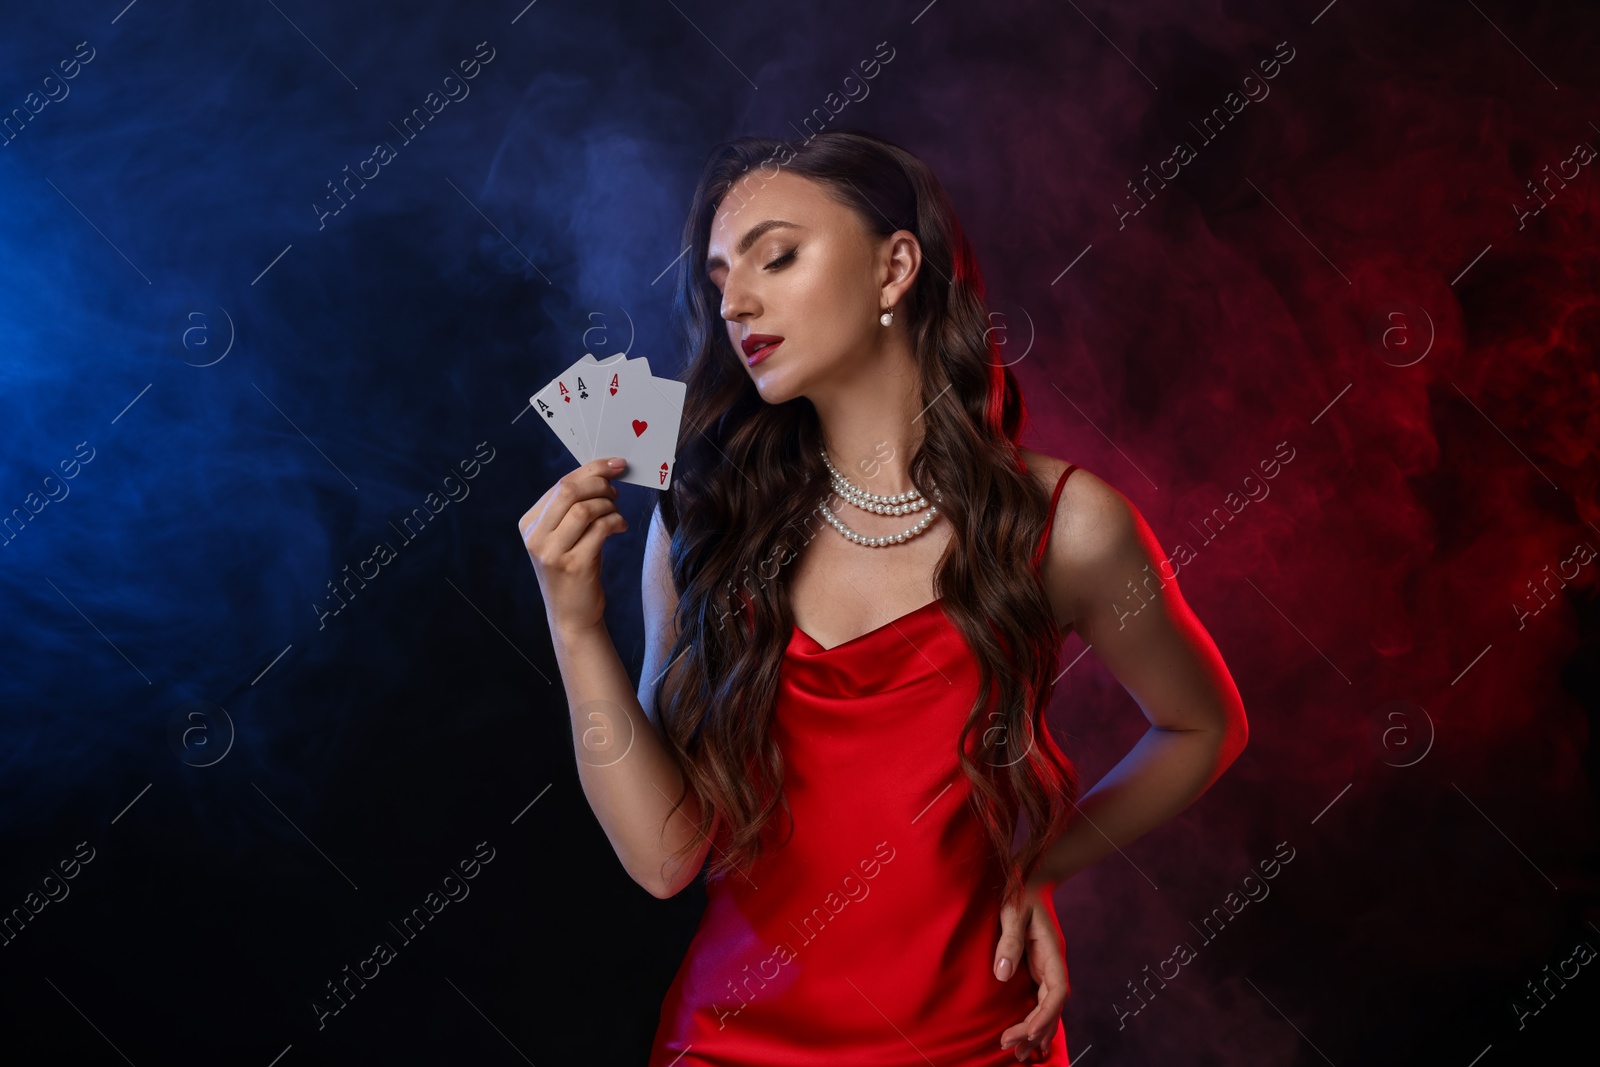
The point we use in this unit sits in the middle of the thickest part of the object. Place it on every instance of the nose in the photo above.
(738, 303)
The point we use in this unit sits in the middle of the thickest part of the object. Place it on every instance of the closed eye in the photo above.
(777, 264)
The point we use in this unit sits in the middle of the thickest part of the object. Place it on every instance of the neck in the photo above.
(871, 422)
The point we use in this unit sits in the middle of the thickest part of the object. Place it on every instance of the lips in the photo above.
(758, 346)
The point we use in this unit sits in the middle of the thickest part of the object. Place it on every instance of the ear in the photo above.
(901, 262)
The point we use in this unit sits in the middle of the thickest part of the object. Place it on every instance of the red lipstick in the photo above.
(758, 346)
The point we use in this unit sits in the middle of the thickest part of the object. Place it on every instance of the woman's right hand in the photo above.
(563, 533)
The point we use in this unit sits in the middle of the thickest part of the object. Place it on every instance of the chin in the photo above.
(774, 388)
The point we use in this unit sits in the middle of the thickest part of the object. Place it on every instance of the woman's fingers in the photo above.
(1034, 1033)
(1017, 1040)
(563, 534)
(598, 531)
(1013, 927)
(1014, 923)
(554, 525)
(1045, 956)
(581, 520)
(1047, 964)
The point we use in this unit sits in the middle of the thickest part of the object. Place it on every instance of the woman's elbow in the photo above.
(656, 883)
(668, 879)
(1235, 736)
(663, 888)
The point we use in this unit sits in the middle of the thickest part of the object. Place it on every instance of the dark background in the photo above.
(1351, 266)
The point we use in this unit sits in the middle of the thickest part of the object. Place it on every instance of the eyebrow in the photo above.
(750, 238)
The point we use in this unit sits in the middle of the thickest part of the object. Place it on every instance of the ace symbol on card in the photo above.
(595, 376)
(639, 419)
(557, 403)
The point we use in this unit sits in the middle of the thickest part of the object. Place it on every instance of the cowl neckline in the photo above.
(808, 645)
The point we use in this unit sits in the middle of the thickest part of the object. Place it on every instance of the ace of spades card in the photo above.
(557, 403)
(570, 406)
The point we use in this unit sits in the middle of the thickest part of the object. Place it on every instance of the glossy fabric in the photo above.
(868, 938)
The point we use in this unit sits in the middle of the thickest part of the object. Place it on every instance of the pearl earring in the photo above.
(886, 318)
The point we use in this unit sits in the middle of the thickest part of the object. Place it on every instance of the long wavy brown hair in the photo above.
(748, 466)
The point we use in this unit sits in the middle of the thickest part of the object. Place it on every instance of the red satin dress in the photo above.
(868, 939)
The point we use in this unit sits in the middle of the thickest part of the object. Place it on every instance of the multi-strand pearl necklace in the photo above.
(899, 504)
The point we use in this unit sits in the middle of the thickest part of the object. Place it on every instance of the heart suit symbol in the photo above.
(639, 427)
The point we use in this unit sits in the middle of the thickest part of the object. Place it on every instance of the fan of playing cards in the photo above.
(616, 407)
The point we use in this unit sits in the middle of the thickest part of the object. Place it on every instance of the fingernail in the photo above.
(1003, 971)
(615, 462)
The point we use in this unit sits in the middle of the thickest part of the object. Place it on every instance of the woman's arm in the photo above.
(1101, 551)
(629, 776)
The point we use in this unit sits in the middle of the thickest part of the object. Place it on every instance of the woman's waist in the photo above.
(901, 897)
(869, 799)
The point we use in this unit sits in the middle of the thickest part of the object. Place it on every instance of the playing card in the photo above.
(564, 407)
(557, 403)
(589, 372)
(638, 420)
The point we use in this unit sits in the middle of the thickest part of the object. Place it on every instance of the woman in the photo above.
(884, 843)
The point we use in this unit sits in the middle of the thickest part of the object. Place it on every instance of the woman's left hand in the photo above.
(1031, 927)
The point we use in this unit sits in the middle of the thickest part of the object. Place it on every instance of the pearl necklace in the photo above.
(899, 504)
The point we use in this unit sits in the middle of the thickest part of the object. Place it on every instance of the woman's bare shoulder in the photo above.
(1046, 470)
(1093, 524)
(1084, 496)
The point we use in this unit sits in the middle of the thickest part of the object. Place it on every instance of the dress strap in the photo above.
(1044, 538)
